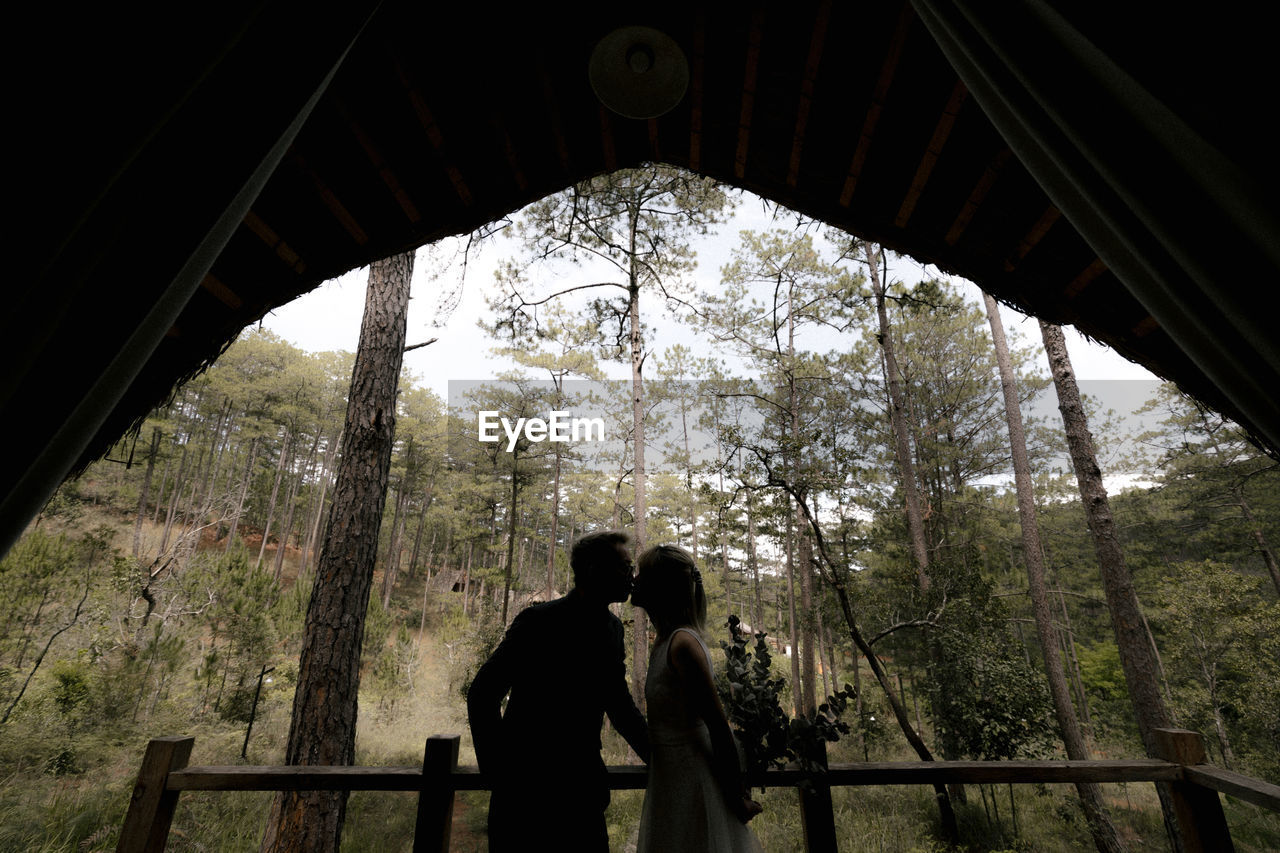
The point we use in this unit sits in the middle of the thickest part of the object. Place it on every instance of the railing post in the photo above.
(817, 815)
(146, 824)
(1197, 811)
(435, 800)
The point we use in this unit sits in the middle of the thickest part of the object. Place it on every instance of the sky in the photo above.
(328, 318)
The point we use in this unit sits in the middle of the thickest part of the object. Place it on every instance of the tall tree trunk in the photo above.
(804, 547)
(221, 438)
(1136, 655)
(391, 562)
(146, 488)
(164, 479)
(793, 619)
(275, 494)
(415, 556)
(511, 530)
(754, 561)
(1090, 793)
(323, 726)
(1069, 644)
(325, 468)
(555, 519)
(946, 813)
(1268, 556)
(244, 491)
(173, 500)
(640, 620)
(902, 444)
(286, 528)
(1219, 726)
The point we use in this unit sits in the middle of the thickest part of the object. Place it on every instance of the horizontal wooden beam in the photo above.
(1236, 785)
(634, 777)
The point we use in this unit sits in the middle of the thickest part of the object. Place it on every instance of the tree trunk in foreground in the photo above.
(323, 727)
(1095, 811)
(902, 444)
(1137, 657)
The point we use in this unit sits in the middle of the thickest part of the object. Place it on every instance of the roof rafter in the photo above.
(379, 162)
(1033, 237)
(976, 196)
(434, 136)
(221, 292)
(331, 201)
(880, 94)
(749, 74)
(806, 89)
(941, 131)
(268, 235)
(553, 116)
(697, 67)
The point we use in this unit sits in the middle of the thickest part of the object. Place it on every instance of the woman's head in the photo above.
(669, 587)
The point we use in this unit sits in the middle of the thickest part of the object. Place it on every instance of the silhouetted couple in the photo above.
(562, 667)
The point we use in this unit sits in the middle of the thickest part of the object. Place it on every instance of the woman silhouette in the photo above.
(695, 800)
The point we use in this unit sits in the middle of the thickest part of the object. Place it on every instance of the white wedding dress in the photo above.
(684, 808)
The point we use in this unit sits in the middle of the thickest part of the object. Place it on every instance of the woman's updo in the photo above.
(675, 586)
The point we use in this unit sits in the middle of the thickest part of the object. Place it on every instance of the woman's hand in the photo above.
(747, 808)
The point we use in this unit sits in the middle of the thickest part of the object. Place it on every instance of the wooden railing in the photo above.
(1193, 787)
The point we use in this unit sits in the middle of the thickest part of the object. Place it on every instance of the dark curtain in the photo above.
(148, 133)
(1149, 128)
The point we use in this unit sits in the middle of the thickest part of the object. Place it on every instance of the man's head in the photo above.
(601, 565)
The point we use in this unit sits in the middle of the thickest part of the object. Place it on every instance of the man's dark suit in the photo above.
(563, 663)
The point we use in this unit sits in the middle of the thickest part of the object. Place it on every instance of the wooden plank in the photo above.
(697, 67)
(749, 74)
(1033, 237)
(221, 292)
(151, 806)
(513, 158)
(428, 122)
(380, 164)
(331, 201)
(816, 42)
(977, 195)
(551, 113)
(1197, 811)
(268, 235)
(817, 814)
(1086, 277)
(1145, 326)
(634, 777)
(1236, 785)
(435, 802)
(296, 777)
(879, 95)
(987, 772)
(941, 132)
(607, 147)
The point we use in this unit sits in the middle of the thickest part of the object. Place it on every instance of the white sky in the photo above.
(328, 318)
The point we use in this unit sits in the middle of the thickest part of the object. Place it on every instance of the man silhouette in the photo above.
(563, 664)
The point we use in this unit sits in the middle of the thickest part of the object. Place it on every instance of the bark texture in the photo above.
(902, 443)
(323, 726)
(1137, 656)
(1090, 793)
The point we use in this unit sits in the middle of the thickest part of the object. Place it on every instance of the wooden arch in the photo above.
(190, 179)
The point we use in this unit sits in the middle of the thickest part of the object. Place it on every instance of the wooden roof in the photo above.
(442, 118)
